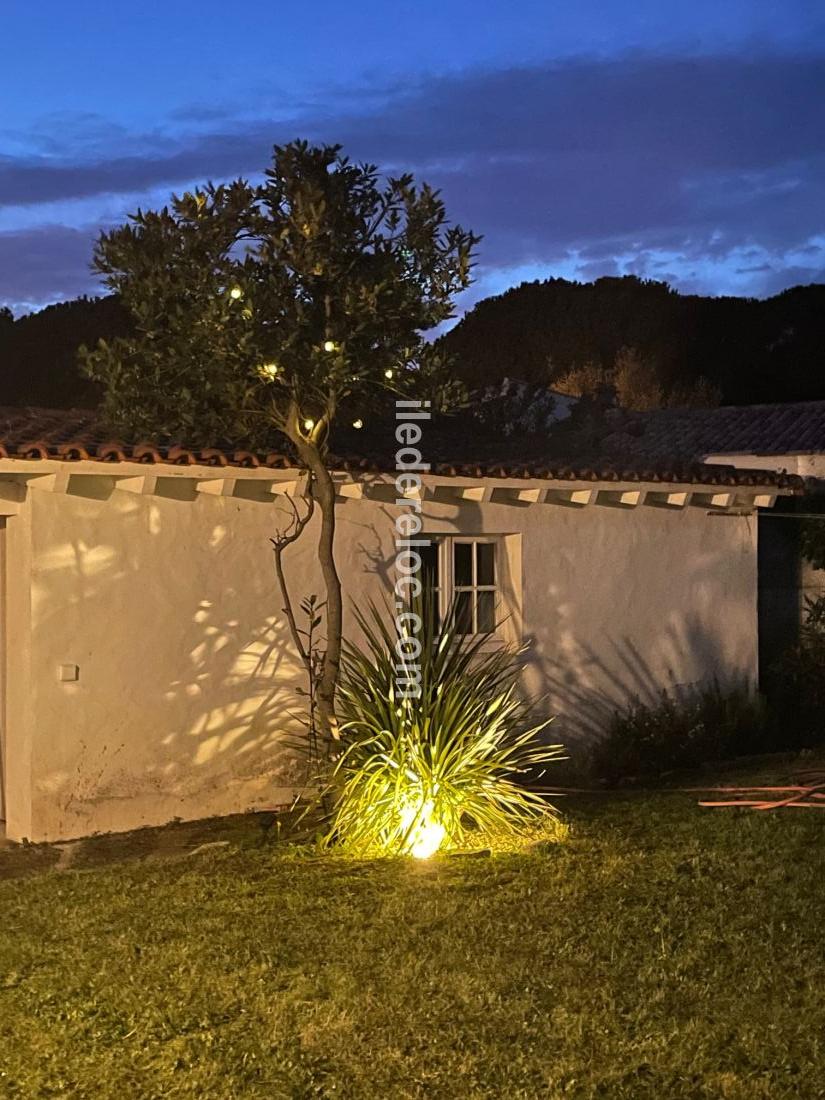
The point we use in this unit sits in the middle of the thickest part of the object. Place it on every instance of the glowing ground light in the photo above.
(428, 840)
(425, 837)
(236, 293)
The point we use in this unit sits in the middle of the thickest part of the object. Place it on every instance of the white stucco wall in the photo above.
(186, 680)
(805, 464)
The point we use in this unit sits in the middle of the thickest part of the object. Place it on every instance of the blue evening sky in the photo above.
(676, 140)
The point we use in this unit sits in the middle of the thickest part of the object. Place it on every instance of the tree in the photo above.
(749, 349)
(278, 307)
(38, 352)
(588, 380)
(632, 382)
(635, 383)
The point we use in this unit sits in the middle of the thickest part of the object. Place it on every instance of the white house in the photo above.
(790, 437)
(147, 672)
(786, 438)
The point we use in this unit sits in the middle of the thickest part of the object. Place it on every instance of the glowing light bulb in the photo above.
(427, 840)
(268, 370)
(309, 425)
(426, 837)
(236, 293)
(359, 423)
(388, 373)
(329, 345)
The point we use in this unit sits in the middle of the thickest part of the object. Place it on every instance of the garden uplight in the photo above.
(439, 770)
(428, 840)
(425, 834)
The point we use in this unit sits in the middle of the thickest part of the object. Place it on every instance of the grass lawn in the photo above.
(663, 952)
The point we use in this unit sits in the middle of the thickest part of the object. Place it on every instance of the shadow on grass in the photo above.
(178, 838)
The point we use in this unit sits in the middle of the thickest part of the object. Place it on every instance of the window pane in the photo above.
(464, 612)
(429, 565)
(463, 563)
(430, 583)
(485, 563)
(429, 609)
(486, 610)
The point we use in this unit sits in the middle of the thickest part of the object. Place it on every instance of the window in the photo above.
(465, 571)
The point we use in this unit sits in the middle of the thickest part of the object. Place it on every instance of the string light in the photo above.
(388, 373)
(329, 345)
(268, 370)
(309, 425)
(359, 423)
(236, 293)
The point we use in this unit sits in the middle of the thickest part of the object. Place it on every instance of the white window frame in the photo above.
(447, 588)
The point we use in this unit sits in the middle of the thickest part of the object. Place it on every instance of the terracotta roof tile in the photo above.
(797, 428)
(458, 448)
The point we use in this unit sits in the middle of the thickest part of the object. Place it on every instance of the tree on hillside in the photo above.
(281, 307)
(638, 382)
(38, 351)
(749, 349)
(635, 382)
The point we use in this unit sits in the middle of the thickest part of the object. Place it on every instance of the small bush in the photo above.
(798, 684)
(445, 769)
(682, 731)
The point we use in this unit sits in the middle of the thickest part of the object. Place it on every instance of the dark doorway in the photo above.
(779, 588)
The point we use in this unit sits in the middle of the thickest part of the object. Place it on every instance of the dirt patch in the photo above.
(19, 860)
(177, 838)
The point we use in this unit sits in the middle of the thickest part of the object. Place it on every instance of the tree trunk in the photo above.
(310, 448)
(324, 492)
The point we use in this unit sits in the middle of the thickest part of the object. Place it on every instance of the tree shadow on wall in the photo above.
(586, 688)
(186, 703)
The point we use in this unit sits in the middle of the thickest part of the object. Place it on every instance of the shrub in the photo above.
(443, 769)
(798, 684)
(681, 731)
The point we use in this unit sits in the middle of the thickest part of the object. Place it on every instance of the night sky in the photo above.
(680, 141)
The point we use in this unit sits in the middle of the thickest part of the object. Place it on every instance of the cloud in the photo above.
(680, 162)
(30, 181)
(47, 264)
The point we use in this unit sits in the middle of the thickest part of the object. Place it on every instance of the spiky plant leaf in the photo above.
(452, 758)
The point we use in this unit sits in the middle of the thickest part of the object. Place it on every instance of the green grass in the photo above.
(662, 952)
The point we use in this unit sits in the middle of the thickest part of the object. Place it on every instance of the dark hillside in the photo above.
(770, 350)
(38, 352)
(753, 350)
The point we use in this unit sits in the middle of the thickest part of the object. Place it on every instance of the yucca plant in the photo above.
(443, 769)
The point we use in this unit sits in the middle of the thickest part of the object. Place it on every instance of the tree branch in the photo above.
(279, 544)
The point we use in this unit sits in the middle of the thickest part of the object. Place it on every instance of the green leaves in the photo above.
(457, 752)
(322, 251)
